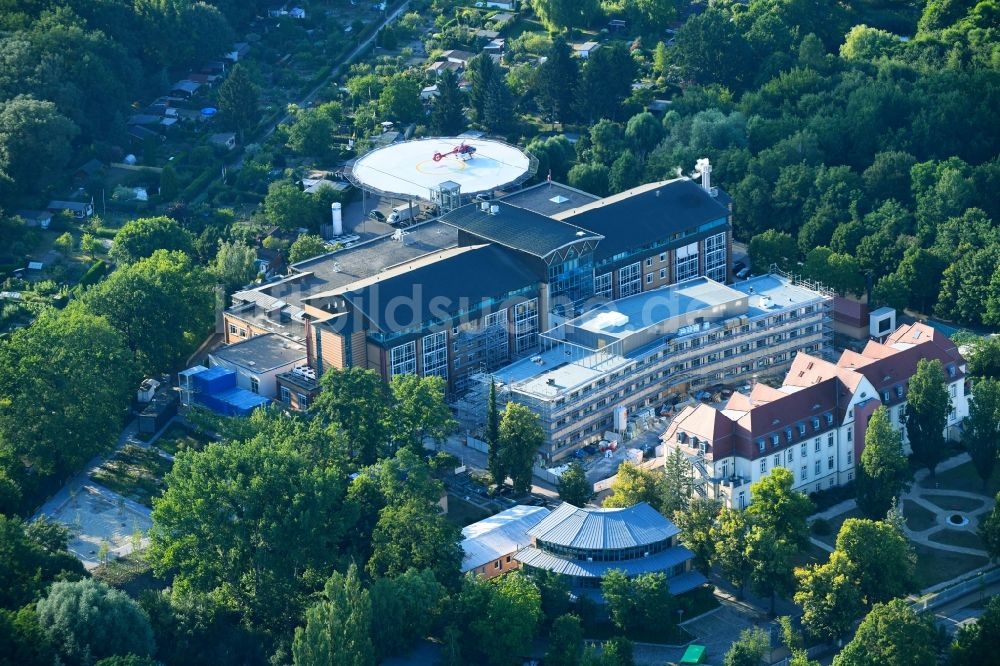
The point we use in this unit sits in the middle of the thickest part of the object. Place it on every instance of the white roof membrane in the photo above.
(409, 169)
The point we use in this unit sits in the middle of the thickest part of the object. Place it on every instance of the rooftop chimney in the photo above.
(703, 168)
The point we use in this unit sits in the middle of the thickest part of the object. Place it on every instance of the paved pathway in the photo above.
(919, 495)
(81, 488)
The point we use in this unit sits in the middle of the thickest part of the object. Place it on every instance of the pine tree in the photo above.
(556, 80)
(238, 100)
(498, 107)
(495, 461)
(447, 116)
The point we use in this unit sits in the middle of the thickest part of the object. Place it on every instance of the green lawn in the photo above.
(698, 601)
(813, 554)
(962, 538)
(178, 437)
(835, 524)
(964, 478)
(917, 517)
(134, 472)
(953, 503)
(935, 566)
(463, 513)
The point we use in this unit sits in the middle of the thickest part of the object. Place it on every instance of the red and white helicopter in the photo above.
(462, 151)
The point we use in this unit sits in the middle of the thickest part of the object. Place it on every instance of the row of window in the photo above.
(286, 397)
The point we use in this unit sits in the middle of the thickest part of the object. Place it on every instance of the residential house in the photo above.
(36, 218)
(583, 50)
(80, 210)
(185, 88)
(491, 544)
(225, 140)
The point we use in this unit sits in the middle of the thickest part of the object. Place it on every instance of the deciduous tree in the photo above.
(565, 642)
(574, 487)
(829, 596)
(87, 619)
(883, 470)
(420, 411)
(881, 557)
(359, 402)
(891, 635)
(162, 305)
(697, 524)
(235, 264)
(520, 437)
(64, 383)
(927, 407)
(982, 428)
(305, 247)
(338, 626)
(255, 523)
(35, 139)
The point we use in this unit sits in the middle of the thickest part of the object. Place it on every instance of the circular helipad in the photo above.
(409, 169)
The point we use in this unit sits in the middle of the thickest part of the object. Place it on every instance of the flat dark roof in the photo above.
(549, 198)
(262, 352)
(646, 214)
(516, 228)
(424, 293)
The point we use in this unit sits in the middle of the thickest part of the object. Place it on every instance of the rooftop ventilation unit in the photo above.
(494, 209)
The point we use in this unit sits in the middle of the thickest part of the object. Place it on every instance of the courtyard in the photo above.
(941, 515)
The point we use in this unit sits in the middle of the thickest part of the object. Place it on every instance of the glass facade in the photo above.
(526, 326)
(602, 286)
(618, 555)
(687, 262)
(572, 279)
(715, 257)
(629, 280)
(403, 359)
(435, 348)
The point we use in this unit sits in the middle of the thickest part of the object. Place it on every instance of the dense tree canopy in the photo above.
(64, 383)
(162, 305)
(88, 620)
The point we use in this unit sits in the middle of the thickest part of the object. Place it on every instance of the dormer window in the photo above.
(788, 434)
(682, 437)
(774, 440)
(802, 429)
(885, 396)
(815, 424)
(760, 444)
(899, 390)
(829, 419)
(951, 370)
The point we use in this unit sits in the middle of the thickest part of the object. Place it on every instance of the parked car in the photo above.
(743, 273)
(377, 216)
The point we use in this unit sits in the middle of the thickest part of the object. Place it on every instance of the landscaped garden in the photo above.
(936, 566)
(134, 472)
(955, 503)
(964, 478)
(917, 517)
(963, 538)
(179, 437)
(830, 536)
